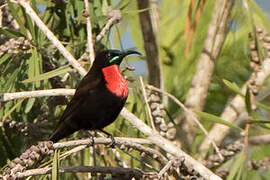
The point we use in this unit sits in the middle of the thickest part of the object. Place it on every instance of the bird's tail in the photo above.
(62, 131)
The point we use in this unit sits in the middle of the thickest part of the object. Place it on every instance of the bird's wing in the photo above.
(66, 126)
(86, 87)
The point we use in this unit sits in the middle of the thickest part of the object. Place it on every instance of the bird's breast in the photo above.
(115, 81)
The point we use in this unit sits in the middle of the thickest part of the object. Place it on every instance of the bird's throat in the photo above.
(115, 81)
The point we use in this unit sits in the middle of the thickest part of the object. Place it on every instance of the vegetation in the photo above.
(174, 38)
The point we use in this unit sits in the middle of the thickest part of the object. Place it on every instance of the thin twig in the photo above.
(192, 115)
(147, 104)
(114, 17)
(90, 44)
(173, 163)
(246, 138)
(73, 150)
(51, 36)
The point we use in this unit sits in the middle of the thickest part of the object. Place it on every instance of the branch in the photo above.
(105, 141)
(138, 174)
(168, 146)
(206, 64)
(191, 114)
(147, 105)
(90, 44)
(150, 45)
(39, 93)
(50, 36)
(114, 17)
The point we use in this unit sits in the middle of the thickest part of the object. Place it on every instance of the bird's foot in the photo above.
(112, 144)
(92, 138)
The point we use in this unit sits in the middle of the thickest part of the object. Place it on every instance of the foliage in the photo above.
(41, 66)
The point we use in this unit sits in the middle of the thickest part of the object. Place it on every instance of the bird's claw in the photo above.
(92, 143)
(112, 144)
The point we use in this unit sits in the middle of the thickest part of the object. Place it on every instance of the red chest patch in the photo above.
(115, 82)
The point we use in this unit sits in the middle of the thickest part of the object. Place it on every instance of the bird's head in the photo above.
(111, 57)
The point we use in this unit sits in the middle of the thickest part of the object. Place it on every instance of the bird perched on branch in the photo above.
(98, 99)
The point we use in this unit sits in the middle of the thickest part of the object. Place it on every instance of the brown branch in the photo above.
(90, 44)
(206, 63)
(150, 45)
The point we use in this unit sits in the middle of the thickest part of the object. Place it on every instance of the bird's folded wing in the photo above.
(87, 87)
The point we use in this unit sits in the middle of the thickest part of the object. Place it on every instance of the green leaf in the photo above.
(16, 16)
(247, 101)
(263, 106)
(29, 104)
(238, 169)
(4, 58)
(216, 119)
(37, 68)
(49, 74)
(29, 25)
(55, 166)
(233, 86)
(260, 13)
(10, 33)
(12, 109)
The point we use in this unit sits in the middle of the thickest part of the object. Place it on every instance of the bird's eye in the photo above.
(115, 58)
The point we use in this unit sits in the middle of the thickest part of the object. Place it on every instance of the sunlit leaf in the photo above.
(10, 33)
(233, 86)
(55, 166)
(12, 109)
(216, 119)
(29, 104)
(247, 101)
(49, 74)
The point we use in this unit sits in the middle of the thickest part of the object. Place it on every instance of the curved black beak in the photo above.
(128, 52)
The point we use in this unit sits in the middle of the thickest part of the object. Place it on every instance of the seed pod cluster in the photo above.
(18, 127)
(14, 45)
(257, 164)
(263, 164)
(28, 159)
(158, 114)
(227, 152)
(255, 63)
(31, 130)
(186, 172)
(7, 19)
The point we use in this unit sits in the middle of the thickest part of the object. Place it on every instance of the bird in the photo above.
(98, 99)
